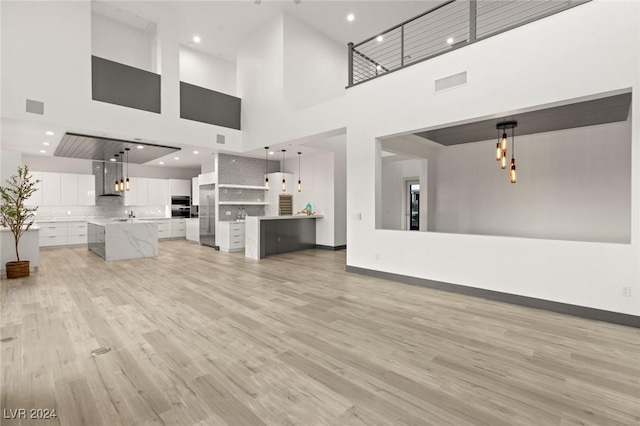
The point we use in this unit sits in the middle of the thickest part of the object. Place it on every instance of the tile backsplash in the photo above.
(112, 208)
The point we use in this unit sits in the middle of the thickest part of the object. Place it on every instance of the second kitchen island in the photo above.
(123, 240)
(267, 235)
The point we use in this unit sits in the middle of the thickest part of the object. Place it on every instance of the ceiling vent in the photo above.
(35, 107)
(220, 139)
(451, 81)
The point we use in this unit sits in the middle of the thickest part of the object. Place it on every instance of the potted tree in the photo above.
(16, 216)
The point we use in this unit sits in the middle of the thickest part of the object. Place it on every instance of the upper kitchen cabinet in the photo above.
(138, 194)
(195, 191)
(36, 197)
(158, 192)
(86, 190)
(51, 189)
(180, 187)
(68, 189)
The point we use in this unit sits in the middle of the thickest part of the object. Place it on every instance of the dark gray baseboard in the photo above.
(548, 305)
(333, 248)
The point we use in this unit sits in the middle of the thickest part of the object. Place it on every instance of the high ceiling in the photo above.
(222, 25)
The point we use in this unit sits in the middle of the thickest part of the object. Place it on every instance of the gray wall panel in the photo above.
(123, 85)
(208, 106)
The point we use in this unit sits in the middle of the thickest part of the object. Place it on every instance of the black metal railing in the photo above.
(448, 26)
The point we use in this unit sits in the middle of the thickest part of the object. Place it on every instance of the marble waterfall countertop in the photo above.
(123, 239)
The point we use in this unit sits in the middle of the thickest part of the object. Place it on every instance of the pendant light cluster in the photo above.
(122, 185)
(502, 145)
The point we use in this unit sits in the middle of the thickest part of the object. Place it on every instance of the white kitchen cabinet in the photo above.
(164, 228)
(54, 234)
(51, 190)
(36, 197)
(158, 190)
(193, 230)
(180, 187)
(68, 189)
(178, 228)
(138, 193)
(195, 191)
(86, 190)
(231, 236)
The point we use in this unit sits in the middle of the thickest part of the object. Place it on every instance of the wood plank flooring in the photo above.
(200, 337)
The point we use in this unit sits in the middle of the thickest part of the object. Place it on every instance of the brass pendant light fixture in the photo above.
(266, 168)
(121, 185)
(127, 184)
(116, 186)
(501, 147)
(284, 183)
(299, 181)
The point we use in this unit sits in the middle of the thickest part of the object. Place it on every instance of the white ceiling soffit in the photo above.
(609, 109)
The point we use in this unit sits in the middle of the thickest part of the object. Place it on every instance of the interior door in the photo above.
(413, 207)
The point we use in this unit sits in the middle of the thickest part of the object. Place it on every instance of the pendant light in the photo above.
(116, 187)
(266, 168)
(127, 185)
(284, 183)
(512, 169)
(501, 147)
(121, 186)
(299, 181)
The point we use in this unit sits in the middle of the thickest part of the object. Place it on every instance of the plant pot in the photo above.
(18, 269)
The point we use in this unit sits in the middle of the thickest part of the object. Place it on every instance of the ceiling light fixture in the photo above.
(50, 133)
(140, 147)
(121, 185)
(196, 39)
(176, 158)
(45, 143)
(126, 182)
(196, 152)
(450, 40)
(266, 168)
(299, 181)
(501, 147)
(379, 38)
(43, 151)
(284, 183)
(112, 159)
(350, 17)
(161, 162)
(271, 152)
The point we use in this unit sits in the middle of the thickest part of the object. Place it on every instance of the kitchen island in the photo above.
(123, 239)
(267, 235)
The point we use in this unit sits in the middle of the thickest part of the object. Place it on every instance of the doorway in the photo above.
(413, 207)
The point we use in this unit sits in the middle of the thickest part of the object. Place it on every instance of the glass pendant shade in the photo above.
(503, 162)
(498, 152)
(299, 186)
(116, 187)
(121, 186)
(266, 183)
(284, 185)
(266, 168)
(503, 143)
(512, 171)
(127, 185)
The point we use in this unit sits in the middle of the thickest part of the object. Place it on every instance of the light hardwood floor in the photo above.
(201, 337)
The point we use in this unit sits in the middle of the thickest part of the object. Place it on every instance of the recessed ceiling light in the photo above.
(196, 39)
(449, 40)
(140, 147)
(271, 152)
(50, 133)
(195, 152)
(379, 67)
(43, 151)
(112, 159)
(379, 38)
(162, 162)
(350, 17)
(176, 158)
(45, 143)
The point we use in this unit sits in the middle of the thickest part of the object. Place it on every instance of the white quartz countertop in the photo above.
(34, 227)
(299, 216)
(104, 222)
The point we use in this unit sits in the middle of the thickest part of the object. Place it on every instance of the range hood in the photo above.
(106, 173)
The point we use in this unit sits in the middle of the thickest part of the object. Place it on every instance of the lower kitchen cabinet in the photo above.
(53, 234)
(193, 230)
(178, 228)
(231, 236)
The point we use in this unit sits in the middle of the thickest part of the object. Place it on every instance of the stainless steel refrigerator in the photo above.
(208, 215)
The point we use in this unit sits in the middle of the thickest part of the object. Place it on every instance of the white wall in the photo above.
(46, 49)
(206, 71)
(314, 66)
(119, 42)
(394, 199)
(9, 163)
(340, 192)
(551, 60)
(572, 185)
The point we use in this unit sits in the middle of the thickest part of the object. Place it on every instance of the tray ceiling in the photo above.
(98, 148)
(610, 109)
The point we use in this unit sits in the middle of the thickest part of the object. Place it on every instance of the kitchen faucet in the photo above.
(132, 214)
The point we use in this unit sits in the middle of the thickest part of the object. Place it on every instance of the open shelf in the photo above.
(231, 186)
(242, 203)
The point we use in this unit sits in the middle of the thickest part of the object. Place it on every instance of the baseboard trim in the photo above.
(531, 302)
(332, 248)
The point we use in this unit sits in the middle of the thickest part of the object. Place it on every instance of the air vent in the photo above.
(35, 107)
(220, 139)
(451, 81)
